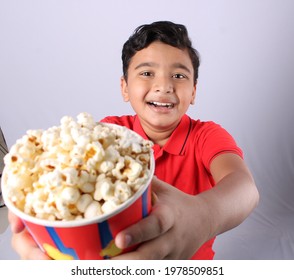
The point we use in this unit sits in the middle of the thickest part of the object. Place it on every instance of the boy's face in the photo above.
(160, 86)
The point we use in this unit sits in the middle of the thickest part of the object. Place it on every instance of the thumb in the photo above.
(159, 188)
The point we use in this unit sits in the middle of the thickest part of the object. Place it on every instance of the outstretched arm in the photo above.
(179, 223)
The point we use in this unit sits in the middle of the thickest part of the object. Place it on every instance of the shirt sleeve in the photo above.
(108, 120)
(214, 140)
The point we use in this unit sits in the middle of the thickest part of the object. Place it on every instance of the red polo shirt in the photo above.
(184, 161)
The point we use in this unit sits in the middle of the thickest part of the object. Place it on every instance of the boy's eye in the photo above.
(146, 74)
(179, 76)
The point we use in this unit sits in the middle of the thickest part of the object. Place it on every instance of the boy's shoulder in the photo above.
(198, 125)
(125, 120)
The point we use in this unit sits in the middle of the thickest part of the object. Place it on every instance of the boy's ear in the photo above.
(124, 89)
(193, 95)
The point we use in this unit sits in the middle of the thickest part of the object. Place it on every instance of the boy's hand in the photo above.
(180, 223)
(169, 232)
(22, 242)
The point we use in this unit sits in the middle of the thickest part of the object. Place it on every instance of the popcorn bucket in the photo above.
(46, 174)
(86, 239)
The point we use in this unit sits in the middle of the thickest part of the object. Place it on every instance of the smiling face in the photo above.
(160, 87)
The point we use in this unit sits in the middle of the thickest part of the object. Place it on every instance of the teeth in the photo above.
(159, 104)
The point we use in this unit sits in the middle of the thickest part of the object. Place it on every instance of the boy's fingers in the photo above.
(26, 247)
(158, 186)
(16, 223)
(158, 222)
(148, 251)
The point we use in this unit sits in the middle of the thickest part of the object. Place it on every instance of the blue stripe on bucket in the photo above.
(105, 235)
(145, 203)
(59, 244)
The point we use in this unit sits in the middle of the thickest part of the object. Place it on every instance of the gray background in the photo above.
(63, 57)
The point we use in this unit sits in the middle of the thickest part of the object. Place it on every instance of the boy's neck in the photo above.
(161, 141)
(158, 136)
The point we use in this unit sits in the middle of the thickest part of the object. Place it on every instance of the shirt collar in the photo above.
(176, 143)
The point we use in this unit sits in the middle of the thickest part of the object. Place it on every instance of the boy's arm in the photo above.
(234, 196)
(181, 223)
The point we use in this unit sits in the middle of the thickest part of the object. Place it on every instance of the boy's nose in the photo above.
(163, 85)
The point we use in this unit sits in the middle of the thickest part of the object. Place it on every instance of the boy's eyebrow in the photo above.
(144, 64)
(152, 64)
(181, 66)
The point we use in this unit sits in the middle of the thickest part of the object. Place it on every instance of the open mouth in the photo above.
(160, 104)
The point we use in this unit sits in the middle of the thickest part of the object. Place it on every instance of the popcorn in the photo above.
(122, 191)
(93, 209)
(79, 169)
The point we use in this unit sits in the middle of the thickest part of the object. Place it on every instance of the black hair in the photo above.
(167, 32)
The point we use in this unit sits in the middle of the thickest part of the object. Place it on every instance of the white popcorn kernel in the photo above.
(49, 163)
(104, 189)
(95, 151)
(136, 184)
(83, 202)
(77, 151)
(106, 137)
(71, 176)
(37, 133)
(29, 200)
(27, 150)
(38, 206)
(87, 187)
(91, 164)
(75, 133)
(83, 177)
(133, 169)
(122, 191)
(51, 179)
(117, 171)
(17, 196)
(136, 147)
(10, 159)
(111, 154)
(63, 158)
(143, 158)
(93, 210)
(67, 141)
(83, 139)
(93, 175)
(127, 139)
(110, 205)
(79, 217)
(76, 162)
(19, 182)
(66, 121)
(86, 120)
(70, 195)
(51, 218)
(50, 209)
(50, 137)
(63, 210)
(106, 166)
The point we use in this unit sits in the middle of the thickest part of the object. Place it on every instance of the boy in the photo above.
(202, 185)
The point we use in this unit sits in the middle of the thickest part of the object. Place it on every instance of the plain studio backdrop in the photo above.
(63, 57)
